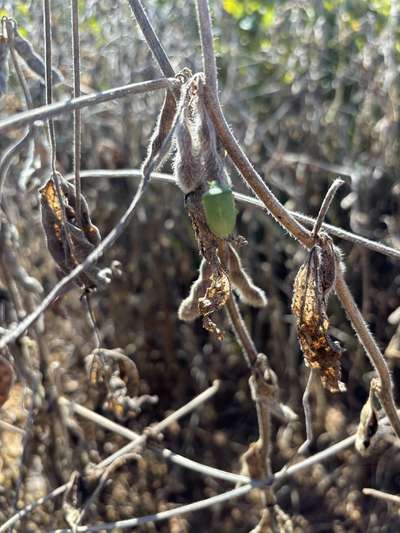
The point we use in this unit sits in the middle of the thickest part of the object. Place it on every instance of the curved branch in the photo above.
(46, 111)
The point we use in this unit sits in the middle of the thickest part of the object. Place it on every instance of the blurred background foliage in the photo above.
(311, 89)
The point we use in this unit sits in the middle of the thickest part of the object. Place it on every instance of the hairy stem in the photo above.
(77, 113)
(47, 111)
(151, 38)
(372, 350)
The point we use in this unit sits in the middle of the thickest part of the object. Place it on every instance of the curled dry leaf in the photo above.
(312, 286)
(215, 298)
(121, 378)
(6, 379)
(83, 238)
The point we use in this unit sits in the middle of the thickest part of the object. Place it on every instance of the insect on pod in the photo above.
(219, 209)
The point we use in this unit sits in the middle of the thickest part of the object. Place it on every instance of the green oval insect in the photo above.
(219, 209)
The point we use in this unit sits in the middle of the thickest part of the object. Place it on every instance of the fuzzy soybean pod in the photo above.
(219, 209)
(4, 49)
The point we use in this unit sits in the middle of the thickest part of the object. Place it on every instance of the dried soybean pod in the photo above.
(32, 58)
(219, 209)
(4, 50)
(189, 308)
(369, 420)
(249, 293)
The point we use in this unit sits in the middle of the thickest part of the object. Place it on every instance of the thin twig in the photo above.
(372, 350)
(92, 320)
(207, 47)
(164, 452)
(47, 111)
(325, 206)
(380, 495)
(241, 333)
(49, 80)
(103, 480)
(316, 458)
(77, 113)
(161, 426)
(11, 152)
(152, 40)
(225, 496)
(5, 426)
(307, 414)
(377, 247)
(280, 476)
(10, 25)
(7, 158)
(164, 515)
(32, 506)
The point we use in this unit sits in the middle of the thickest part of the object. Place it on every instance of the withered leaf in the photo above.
(216, 297)
(311, 290)
(121, 380)
(83, 238)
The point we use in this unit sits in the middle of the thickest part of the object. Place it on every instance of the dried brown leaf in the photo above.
(312, 285)
(83, 239)
(121, 378)
(215, 298)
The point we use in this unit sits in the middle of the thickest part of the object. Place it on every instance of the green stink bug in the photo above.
(219, 209)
